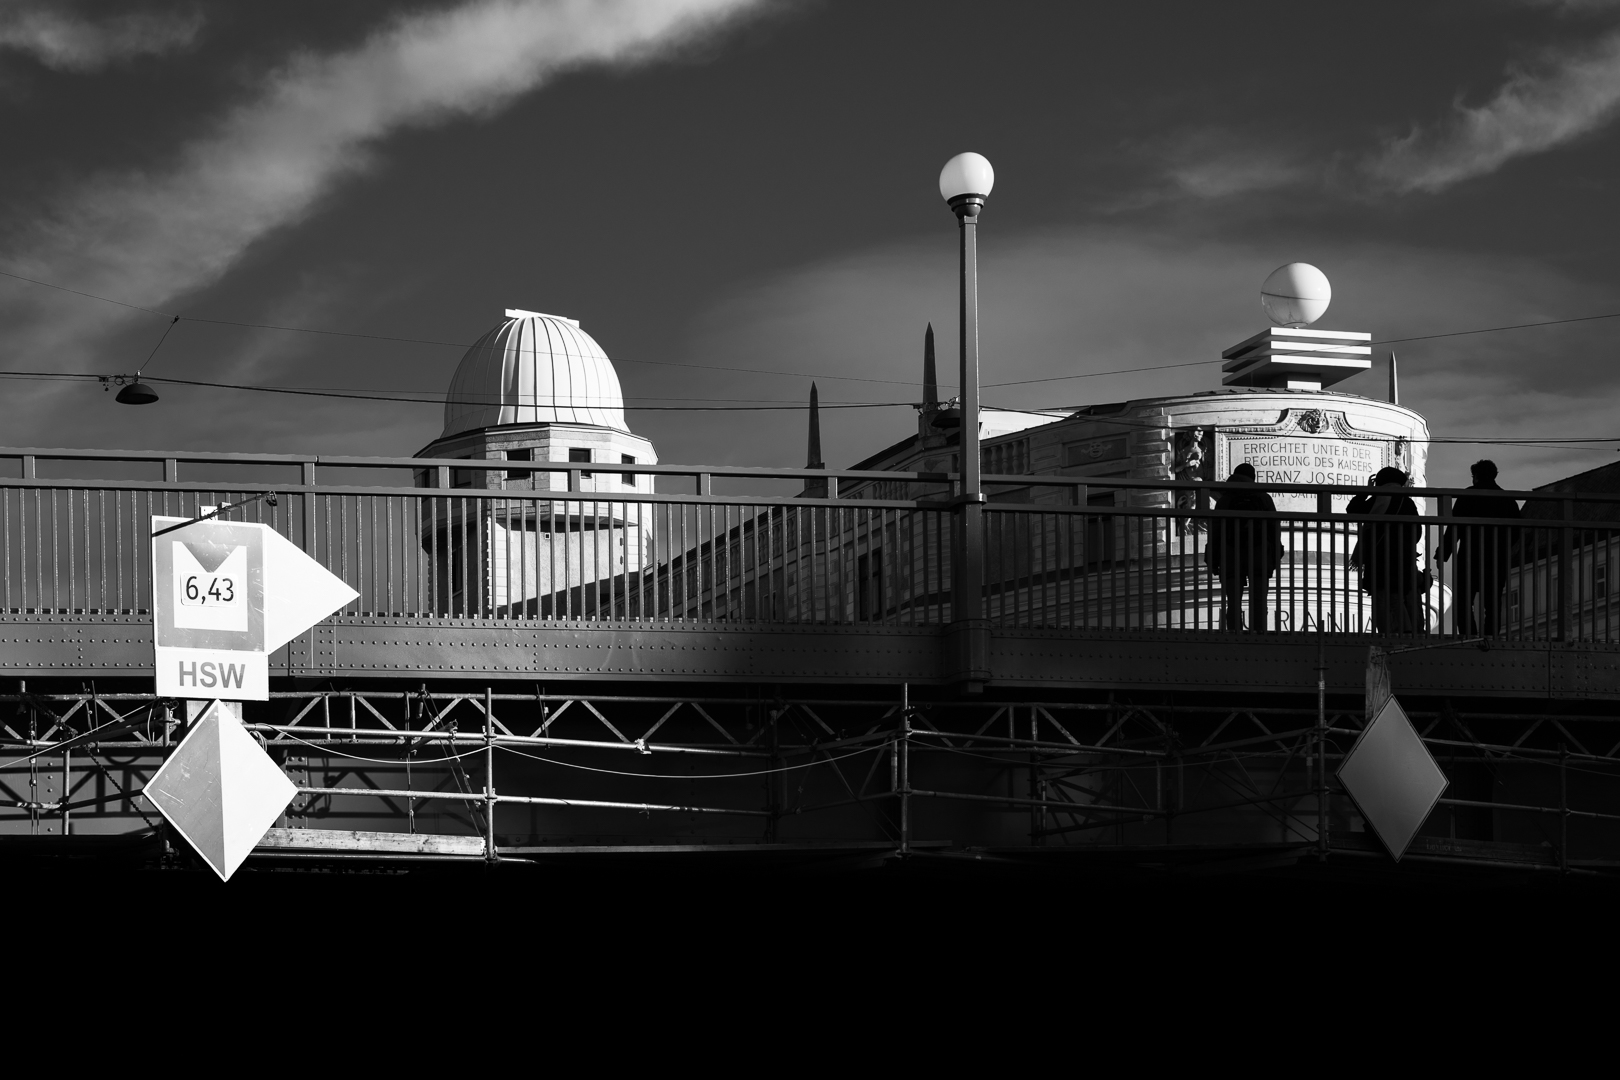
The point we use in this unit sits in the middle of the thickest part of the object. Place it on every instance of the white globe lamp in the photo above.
(1296, 295)
(965, 181)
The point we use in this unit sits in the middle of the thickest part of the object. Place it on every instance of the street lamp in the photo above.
(965, 182)
(136, 392)
(132, 391)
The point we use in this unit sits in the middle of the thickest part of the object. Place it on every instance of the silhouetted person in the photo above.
(1483, 551)
(1386, 554)
(1244, 551)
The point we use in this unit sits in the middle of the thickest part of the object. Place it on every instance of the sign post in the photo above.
(225, 595)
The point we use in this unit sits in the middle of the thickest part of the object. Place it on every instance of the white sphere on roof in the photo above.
(534, 369)
(1296, 295)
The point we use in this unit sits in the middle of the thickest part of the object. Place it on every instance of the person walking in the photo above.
(1386, 554)
(1482, 551)
(1244, 551)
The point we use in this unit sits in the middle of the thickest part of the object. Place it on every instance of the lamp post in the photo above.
(965, 183)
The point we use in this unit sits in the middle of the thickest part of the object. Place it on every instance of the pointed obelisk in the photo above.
(930, 402)
(814, 489)
(812, 457)
(1394, 381)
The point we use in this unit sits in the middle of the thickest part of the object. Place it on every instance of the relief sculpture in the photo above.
(1190, 464)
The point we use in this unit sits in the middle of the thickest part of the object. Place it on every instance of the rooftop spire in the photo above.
(813, 456)
(1394, 381)
(930, 380)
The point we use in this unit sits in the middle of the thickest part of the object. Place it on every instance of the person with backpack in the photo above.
(1482, 552)
(1244, 551)
(1386, 554)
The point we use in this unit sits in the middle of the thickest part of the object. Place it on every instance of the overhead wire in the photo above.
(161, 339)
(878, 748)
(1548, 442)
(438, 342)
(1097, 374)
(438, 402)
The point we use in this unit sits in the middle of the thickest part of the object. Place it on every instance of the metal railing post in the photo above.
(1563, 808)
(774, 779)
(1037, 787)
(904, 756)
(489, 775)
(1322, 823)
(307, 478)
(1566, 575)
(1443, 509)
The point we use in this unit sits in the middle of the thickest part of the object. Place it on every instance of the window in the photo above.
(524, 454)
(1101, 543)
(1600, 581)
(629, 477)
(869, 598)
(1513, 604)
(461, 478)
(580, 453)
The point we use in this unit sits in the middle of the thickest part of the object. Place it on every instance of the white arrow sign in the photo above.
(226, 594)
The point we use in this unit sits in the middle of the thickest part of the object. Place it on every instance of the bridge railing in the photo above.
(1059, 552)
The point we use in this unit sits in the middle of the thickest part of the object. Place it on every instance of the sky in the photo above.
(711, 185)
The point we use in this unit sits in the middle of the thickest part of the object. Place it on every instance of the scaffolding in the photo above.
(490, 774)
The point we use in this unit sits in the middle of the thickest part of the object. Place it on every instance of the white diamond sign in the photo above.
(1393, 778)
(220, 790)
(225, 595)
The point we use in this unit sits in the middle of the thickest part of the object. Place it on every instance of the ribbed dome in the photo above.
(534, 369)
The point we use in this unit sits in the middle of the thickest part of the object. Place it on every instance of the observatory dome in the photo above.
(534, 369)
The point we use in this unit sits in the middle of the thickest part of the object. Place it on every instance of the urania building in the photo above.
(537, 388)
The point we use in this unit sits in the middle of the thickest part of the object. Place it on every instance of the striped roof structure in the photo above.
(534, 369)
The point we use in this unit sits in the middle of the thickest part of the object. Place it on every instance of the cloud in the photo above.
(65, 42)
(1215, 162)
(1568, 96)
(1237, 174)
(150, 237)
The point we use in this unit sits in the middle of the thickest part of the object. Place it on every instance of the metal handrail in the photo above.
(741, 472)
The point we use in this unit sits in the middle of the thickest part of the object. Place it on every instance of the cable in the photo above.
(762, 371)
(697, 776)
(377, 761)
(436, 397)
(1497, 329)
(1547, 442)
(1384, 341)
(1095, 374)
(155, 348)
(93, 296)
(438, 402)
(434, 341)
